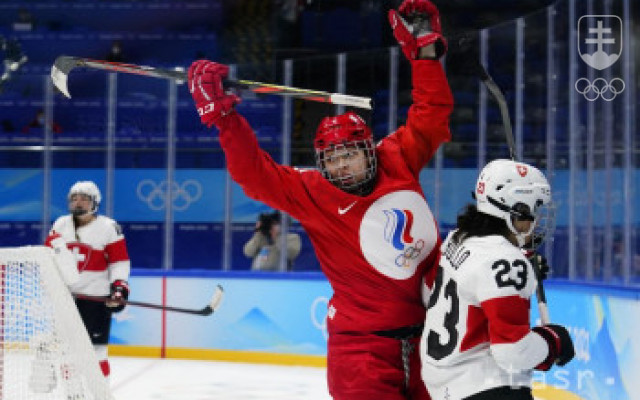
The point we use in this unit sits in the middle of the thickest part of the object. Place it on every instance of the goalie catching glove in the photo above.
(119, 293)
(561, 349)
(205, 84)
(416, 25)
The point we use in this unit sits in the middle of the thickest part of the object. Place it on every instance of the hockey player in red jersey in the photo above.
(477, 342)
(364, 212)
(103, 262)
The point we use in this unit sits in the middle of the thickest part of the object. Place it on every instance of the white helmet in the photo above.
(508, 189)
(87, 188)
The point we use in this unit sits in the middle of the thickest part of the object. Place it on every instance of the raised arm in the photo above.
(253, 169)
(416, 27)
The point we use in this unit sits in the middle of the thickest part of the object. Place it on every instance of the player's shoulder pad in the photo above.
(63, 220)
(503, 269)
(490, 249)
(109, 223)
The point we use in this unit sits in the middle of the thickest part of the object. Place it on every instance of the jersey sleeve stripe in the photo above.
(117, 251)
(477, 329)
(508, 318)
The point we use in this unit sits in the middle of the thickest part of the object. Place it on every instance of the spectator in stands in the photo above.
(14, 58)
(115, 52)
(38, 122)
(265, 244)
(103, 263)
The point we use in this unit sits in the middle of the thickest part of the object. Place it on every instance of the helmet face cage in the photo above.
(87, 188)
(346, 132)
(350, 183)
(545, 225)
(510, 190)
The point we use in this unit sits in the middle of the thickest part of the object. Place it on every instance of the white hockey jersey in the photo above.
(477, 332)
(100, 249)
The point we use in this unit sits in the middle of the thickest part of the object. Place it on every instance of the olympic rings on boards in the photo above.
(182, 195)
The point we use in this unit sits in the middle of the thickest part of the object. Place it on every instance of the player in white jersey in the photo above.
(477, 342)
(103, 262)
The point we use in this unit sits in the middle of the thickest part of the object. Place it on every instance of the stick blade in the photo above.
(213, 305)
(60, 73)
(217, 298)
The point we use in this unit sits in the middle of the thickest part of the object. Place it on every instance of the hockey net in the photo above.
(45, 351)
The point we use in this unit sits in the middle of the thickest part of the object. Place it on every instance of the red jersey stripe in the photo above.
(508, 318)
(116, 251)
(477, 329)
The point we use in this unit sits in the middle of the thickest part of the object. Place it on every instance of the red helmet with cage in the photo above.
(346, 131)
(341, 129)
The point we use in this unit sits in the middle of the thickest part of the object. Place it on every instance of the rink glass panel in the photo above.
(141, 140)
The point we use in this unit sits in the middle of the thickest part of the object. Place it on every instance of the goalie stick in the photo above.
(63, 65)
(208, 310)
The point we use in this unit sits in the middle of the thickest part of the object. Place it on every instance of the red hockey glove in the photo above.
(561, 349)
(119, 291)
(415, 25)
(205, 84)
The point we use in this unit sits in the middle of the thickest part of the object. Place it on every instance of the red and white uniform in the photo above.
(373, 249)
(100, 249)
(477, 333)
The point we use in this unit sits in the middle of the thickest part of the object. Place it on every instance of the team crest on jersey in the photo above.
(397, 229)
(82, 252)
(397, 233)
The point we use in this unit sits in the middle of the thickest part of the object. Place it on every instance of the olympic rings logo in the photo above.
(600, 88)
(409, 253)
(321, 323)
(182, 195)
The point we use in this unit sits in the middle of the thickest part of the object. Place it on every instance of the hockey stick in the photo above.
(208, 310)
(64, 64)
(484, 76)
(504, 109)
(465, 59)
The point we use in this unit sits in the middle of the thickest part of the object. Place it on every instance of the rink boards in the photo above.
(280, 319)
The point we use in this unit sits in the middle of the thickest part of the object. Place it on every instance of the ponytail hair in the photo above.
(472, 222)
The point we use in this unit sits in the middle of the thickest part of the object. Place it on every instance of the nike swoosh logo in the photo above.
(342, 211)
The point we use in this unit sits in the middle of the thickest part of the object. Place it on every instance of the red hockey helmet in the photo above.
(341, 129)
(346, 131)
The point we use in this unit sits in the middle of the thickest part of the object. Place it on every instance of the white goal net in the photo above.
(45, 351)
